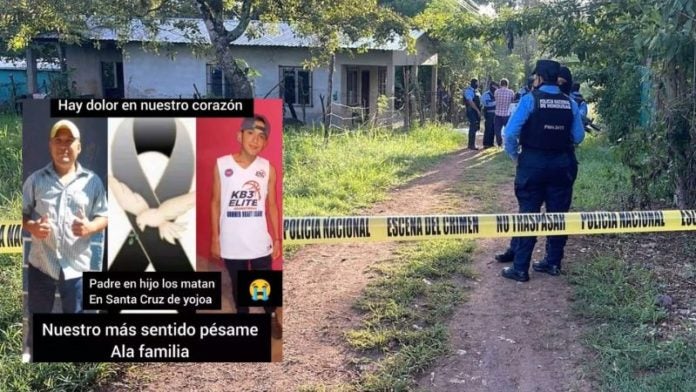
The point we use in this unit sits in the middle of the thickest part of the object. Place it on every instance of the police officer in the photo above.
(579, 99)
(526, 89)
(565, 80)
(489, 109)
(472, 100)
(547, 125)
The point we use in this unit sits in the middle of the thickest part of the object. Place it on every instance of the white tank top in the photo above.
(243, 228)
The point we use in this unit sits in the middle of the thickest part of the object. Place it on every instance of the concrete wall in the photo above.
(425, 54)
(149, 75)
(369, 61)
(152, 75)
(84, 64)
(20, 82)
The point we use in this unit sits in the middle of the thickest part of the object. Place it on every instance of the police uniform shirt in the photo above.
(525, 109)
(243, 191)
(522, 91)
(582, 105)
(470, 94)
(488, 101)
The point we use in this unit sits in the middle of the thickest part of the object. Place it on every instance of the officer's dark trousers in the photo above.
(474, 125)
(543, 178)
(488, 131)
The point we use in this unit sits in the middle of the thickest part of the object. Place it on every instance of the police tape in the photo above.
(360, 229)
(10, 237)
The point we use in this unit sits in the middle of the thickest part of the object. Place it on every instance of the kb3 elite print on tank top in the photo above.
(243, 194)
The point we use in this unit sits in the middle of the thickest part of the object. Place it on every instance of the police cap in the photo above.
(565, 74)
(567, 77)
(547, 69)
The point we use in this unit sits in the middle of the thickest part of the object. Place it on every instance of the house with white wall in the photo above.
(179, 68)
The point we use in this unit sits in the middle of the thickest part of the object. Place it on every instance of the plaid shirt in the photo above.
(503, 98)
(43, 193)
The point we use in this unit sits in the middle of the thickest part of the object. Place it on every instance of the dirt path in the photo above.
(507, 337)
(512, 336)
(322, 283)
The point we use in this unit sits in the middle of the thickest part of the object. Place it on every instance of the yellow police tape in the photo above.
(404, 228)
(357, 229)
(10, 237)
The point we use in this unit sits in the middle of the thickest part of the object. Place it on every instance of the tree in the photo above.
(213, 14)
(71, 22)
(345, 21)
(620, 48)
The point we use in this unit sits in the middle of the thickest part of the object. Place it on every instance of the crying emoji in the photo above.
(260, 290)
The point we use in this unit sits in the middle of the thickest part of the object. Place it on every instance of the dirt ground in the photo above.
(512, 336)
(321, 283)
(507, 337)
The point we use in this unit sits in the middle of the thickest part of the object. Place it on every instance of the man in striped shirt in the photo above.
(503, 98)
(63, 204)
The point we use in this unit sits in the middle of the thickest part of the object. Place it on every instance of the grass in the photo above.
(603, 182)
(406, 310)
(10, 167)
(14, 375)
(484, 178)
(619, 300)
(355, 169)
(405, 313)
(352, 171)
(618, 296)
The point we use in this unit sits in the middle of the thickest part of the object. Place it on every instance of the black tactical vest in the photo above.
(549, 125)
(477, 100)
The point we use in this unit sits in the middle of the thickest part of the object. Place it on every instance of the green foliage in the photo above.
(14, 375)
(465, 47)
(619, 301)
(610, 45)
(350, 20)
(405, 312)
(603, 182)
(10, 167)
(355, 169)
(409, 8)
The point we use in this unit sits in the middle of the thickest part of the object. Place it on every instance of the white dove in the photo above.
(154, 217)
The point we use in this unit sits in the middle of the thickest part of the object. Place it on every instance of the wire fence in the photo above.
(347, 117)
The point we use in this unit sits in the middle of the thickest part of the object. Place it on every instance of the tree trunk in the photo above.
(419, 96)
(220, 38)
(31, 71)
(329, 96)
(241, 87)
(407, 97)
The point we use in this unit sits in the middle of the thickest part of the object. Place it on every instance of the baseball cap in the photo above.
(250, 123)
(65, 124)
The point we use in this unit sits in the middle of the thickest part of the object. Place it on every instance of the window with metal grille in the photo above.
(382, 80)
(296, 85)
(217, 85)
(352, 86)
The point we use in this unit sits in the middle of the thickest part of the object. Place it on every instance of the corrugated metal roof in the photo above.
(188, 30)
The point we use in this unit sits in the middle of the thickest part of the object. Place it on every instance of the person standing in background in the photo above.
(472, 100)
(503, 98)
(489, 111)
